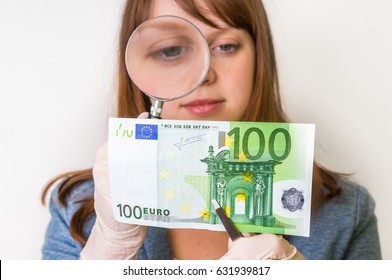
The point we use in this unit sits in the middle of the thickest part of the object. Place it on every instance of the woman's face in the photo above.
(226, 91)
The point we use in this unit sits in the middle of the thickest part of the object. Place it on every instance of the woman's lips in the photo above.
(202, 106)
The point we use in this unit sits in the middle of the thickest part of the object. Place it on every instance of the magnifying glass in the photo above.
(167, 58)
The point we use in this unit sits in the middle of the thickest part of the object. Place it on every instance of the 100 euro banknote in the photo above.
(165, 173)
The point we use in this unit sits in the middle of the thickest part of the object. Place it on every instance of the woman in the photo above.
(241, 84)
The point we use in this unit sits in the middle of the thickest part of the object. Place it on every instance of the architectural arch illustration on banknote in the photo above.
(243, 189)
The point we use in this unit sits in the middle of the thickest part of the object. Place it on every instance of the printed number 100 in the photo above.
(258, 133)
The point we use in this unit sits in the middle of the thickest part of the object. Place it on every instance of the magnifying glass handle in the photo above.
(156, 109)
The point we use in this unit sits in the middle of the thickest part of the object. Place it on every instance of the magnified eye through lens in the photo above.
(167, 57)
(171, 53)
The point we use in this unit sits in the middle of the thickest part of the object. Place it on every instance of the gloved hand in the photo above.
(262, 247)
(110, 239)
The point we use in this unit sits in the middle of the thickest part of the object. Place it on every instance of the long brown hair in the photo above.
(265, 104)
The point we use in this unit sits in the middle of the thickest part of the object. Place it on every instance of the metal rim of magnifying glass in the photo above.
(205, 71)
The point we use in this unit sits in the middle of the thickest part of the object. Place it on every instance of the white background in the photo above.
(57, 67)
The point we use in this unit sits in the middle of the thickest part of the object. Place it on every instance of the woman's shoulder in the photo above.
(355, 200)
(74, 199)
(78, 193)
(349, 211)
(81, 191)
(58, 243)
(344, 227)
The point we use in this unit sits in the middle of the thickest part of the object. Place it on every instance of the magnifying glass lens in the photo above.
(167, 57)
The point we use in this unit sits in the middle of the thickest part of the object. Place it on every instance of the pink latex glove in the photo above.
(262, 247)
(110, 239)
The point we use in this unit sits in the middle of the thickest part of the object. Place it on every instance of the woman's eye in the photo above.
(169, 53)
(226, 48)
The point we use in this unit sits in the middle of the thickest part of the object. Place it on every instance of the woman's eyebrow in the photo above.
(220, 32)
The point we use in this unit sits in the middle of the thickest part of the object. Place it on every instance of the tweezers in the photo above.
(227, 223)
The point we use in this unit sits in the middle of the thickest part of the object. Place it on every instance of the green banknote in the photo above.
(165, 173)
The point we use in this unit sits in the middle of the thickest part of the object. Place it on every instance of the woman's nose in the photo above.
(211, 75)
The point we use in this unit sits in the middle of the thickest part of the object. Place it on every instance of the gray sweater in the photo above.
(345, 227)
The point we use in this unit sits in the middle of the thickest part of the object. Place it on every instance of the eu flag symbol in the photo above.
(147, 131)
